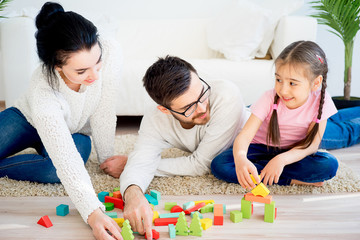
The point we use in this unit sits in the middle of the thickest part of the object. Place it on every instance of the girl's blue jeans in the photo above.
(342, 130)
(16, 134)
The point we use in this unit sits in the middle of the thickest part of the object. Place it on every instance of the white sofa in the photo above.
(142, 41)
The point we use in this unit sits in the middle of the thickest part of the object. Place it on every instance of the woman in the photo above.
(71, 97)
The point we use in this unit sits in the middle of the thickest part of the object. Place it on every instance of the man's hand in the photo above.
(138, 211)
(114, 165)
(102, 226)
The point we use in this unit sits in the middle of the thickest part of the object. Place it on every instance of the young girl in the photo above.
(280, 140)
(71, 96)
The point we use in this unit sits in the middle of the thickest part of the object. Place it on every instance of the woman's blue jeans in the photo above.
(317, 167)
(16, 134)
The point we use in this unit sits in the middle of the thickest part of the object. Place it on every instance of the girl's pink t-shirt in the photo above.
(293, 123)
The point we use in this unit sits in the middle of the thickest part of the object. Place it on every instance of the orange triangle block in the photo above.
(45, 221)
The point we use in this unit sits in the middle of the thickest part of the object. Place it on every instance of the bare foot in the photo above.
(316, 184)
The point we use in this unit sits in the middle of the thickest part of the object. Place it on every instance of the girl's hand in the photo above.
(272, 171)
(103, 226)
(243, 168)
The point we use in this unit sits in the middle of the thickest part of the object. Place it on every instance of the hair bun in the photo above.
(47, 10)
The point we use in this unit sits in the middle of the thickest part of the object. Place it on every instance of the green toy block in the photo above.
(62, 210)
(109, 206)
(111, 194)
(269, 214)
(169, 205)
(116, 189)
(246, 208)
(181, 225)
(236, 216)
(155, 194)
(195, 226)
(112, 214)
(207, 208)
(126, 231)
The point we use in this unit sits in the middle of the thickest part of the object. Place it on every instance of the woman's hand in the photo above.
(103, 227)
(272, 171)
(114, 165)
(243, 167)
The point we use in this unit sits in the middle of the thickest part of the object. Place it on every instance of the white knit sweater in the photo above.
(56, 114)
(159, 131)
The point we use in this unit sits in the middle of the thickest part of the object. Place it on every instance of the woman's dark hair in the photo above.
(167, 79)
(308, 55)
(59, 34)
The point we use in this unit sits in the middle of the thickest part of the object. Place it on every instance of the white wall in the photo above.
(331, 44)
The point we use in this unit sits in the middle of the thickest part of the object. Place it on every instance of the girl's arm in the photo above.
(272, 171)
(243, 165)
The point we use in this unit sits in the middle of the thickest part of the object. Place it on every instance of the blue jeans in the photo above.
(317, 167)
(342, 129)
(16, 134)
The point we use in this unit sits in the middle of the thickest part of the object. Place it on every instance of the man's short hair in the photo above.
(167, 79)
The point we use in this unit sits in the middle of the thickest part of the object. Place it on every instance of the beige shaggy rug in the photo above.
(345, 181)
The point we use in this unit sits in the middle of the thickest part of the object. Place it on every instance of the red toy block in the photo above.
(118, 203)
(165, 221)
(155, 234)
(252, 198)
(218, 214)
(194, 208)
(275, 213)
(117, 194)
(218, 220)
(45, 221)
(176, 208)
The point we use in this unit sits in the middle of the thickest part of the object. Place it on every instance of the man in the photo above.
(192, 115)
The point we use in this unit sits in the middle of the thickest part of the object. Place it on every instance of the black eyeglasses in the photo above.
(191, 109)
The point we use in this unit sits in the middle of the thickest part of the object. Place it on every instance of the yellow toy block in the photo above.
(119, 221)
(205, 201)
(260, 190)
(206, 223)
(253, 179)
(156, 215)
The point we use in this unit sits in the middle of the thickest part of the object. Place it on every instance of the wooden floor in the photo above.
(325, 216)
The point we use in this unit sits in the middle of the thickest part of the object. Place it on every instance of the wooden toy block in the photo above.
(155, 234)
(169, 215)
(246, 207)
(126, 231)
(253, 179)
(261, 190)
(236, 216)
(224, 208)
(275, 212)
(218, 210)
(109, 206)
(118, 203)
(206, 223)
(205, 201)
(195, 225)
(207, 208)
(155, 194)
(252, 198)
(164, 221)
(62, 210)
(102, 195)
(172, 231)
(45, 221)
(169, 205)
(112, 214)
(116, 189)
(176, 208)
(194, 208)
(181, 225)
(151, 200)
(152, 206)
(188, 205)
(218, 220)
(117, 194)
(269, 214)
(200, 215)
(156, 215)
(119, 221)
(111, 194)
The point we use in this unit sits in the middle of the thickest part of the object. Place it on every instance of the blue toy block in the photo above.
(112, 214)
(102, 195)
(172, 231)
(169, 215)
(200, 215)
(151, 200)
(155, 194)
(188, 205)
(62, 210)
